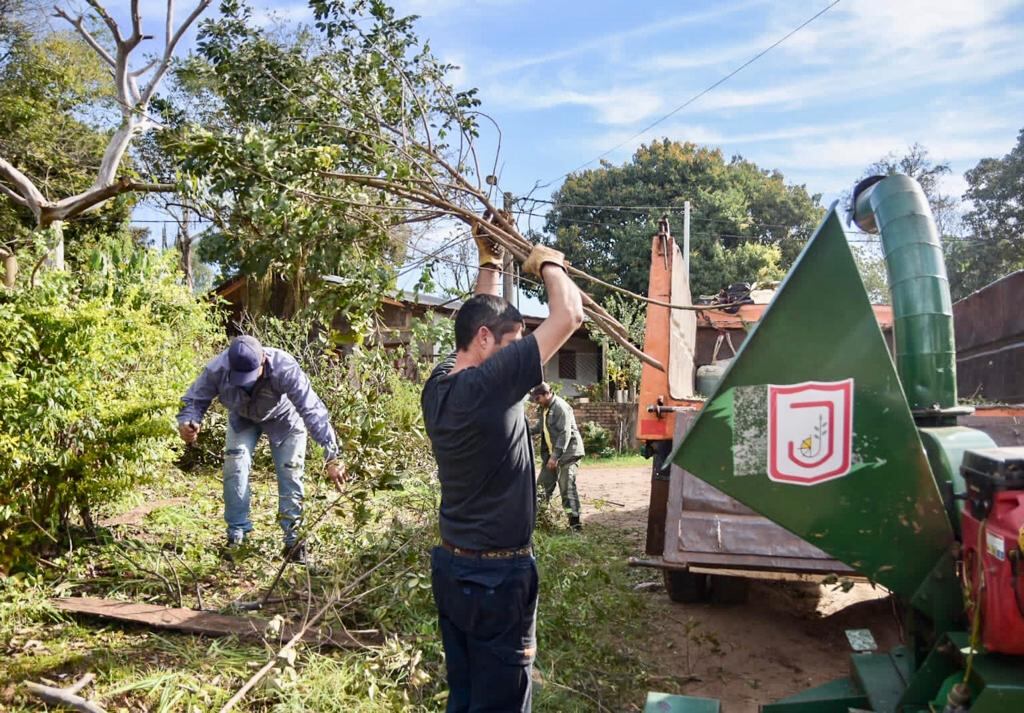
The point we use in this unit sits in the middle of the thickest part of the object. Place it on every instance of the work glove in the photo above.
(540, 256)
(490, 252)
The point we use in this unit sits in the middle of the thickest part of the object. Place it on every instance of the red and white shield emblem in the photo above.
(810, 431)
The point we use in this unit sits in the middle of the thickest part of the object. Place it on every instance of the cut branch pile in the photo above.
(499, 228)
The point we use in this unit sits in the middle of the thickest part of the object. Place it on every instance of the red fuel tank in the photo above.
(993, 565)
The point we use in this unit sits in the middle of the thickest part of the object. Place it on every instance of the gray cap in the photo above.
(245, 357)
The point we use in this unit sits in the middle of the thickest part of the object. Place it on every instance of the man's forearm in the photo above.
(488, 282)
(565, 311)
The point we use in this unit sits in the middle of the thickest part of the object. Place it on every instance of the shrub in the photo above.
(597, 440)
(91, 369)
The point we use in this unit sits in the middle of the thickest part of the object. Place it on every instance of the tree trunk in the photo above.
(55, 260)
(10, 270)
(183, 242)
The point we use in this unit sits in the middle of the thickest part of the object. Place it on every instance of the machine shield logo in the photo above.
(810, 431)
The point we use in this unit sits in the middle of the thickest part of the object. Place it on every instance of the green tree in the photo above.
(918, 164)
(994, 243)
(46, 84)
(47, 95)
(624, 368)
(266, 122)
(92, 365)
(747, 222)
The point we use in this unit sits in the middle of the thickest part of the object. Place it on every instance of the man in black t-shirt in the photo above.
(484, 575)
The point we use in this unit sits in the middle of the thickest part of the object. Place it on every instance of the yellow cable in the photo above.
(976, 623)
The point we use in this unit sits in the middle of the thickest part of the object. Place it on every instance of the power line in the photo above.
(652, 208)
(704, 91)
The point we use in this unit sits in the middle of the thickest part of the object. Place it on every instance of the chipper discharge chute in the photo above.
(815, 428)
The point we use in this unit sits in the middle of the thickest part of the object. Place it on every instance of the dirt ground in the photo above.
(789, 635)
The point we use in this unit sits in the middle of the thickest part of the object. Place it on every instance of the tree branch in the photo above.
(32, 197)
(17, 199)
(65, 696)
(140, 72)
(168, 24)
(102, 12)
(136, 24)
(78, 24)
(76, 205)
(172, 42)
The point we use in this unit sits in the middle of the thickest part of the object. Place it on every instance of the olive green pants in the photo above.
(565, 478)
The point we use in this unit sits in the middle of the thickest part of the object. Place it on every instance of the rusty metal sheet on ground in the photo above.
(201, 622)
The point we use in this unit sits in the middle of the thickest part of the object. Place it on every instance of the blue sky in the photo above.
(568, 80)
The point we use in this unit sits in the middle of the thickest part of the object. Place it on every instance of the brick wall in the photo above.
(619, 419)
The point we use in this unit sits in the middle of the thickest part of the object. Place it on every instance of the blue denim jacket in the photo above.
(281, 399)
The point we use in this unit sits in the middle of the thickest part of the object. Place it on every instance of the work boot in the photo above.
(233, 545)
(574, 523)
(295, 553)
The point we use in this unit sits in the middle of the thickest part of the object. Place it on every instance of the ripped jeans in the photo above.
(289, 463)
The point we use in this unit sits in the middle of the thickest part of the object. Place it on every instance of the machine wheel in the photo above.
(725, 589)
(685, 587)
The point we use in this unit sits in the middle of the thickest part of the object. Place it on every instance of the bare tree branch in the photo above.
(78, 24)
(65, 696)
(13, 196)
(165, 62)
(76, 205)
(136, 24)
(102, 12)
(168, 24)
(140, 72)
(29, 193)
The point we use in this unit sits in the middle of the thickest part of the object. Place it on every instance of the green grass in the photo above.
(622, 460)
(590, 631)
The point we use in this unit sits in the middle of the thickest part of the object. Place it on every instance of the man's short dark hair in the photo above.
(485, 311)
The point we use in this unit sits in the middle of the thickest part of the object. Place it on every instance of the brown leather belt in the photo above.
(488, 554)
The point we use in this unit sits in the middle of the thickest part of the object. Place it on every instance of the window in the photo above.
(567, 364)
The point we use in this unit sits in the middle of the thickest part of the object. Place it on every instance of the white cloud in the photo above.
(612, 40)
(624, 105)
(693, 59)
(440, 8)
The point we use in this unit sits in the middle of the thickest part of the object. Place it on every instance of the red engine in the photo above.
(992, 526)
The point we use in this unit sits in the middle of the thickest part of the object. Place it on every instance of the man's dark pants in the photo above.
(488, 612)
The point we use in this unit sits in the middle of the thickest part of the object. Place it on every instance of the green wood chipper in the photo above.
(817, 429)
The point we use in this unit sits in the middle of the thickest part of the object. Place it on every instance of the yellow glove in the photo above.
(490, 252)
(540, 256)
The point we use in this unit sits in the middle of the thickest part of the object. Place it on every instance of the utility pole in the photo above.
(686, 241)
(508, 284)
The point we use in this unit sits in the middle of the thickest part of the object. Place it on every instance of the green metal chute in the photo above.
(879, 511)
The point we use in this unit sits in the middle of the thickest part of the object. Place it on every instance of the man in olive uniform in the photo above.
(561, 448)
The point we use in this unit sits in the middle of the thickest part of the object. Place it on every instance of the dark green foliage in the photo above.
(994, 246)
(264, 124)
(597, 440)
(747, 223)
(91, 368)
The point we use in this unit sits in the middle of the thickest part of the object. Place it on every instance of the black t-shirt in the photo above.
(482, 445)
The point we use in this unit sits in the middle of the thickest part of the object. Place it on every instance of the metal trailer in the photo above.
(706, 543)
(821, 432)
